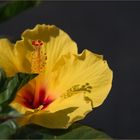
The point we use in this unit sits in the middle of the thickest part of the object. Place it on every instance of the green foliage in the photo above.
(76, 131)
(8, 88)
(10, 85)
(13, 8)
(7, 129)
(7, 112)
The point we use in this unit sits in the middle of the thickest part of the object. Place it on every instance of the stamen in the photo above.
(38, 56)
(38, 109)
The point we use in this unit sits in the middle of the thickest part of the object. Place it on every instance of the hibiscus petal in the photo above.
(87, 73)
(67, 112)
(7, 59)
(47, 44)
(12, 59)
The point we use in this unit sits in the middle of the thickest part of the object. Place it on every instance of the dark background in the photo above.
(108, 28)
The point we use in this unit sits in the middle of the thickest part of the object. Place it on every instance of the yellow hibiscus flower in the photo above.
(69, 85)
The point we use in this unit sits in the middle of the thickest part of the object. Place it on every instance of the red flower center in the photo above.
(28, 99)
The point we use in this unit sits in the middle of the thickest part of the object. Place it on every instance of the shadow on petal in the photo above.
(58, 119)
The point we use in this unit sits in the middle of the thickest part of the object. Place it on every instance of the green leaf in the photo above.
(7, 129)
(8, 89)
(2, 77)
(76, 131)
(7, 112)
(10, 85)
(12, 8)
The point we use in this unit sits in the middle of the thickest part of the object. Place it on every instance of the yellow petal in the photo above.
(87, 73)
(7, 59)
(21, 54)
(66, 112)
(12, 60)
(55, 43)
(20, 108)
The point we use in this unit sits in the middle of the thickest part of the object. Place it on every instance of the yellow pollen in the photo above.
(38, 56)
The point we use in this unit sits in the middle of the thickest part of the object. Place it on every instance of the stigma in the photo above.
(37, 43)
